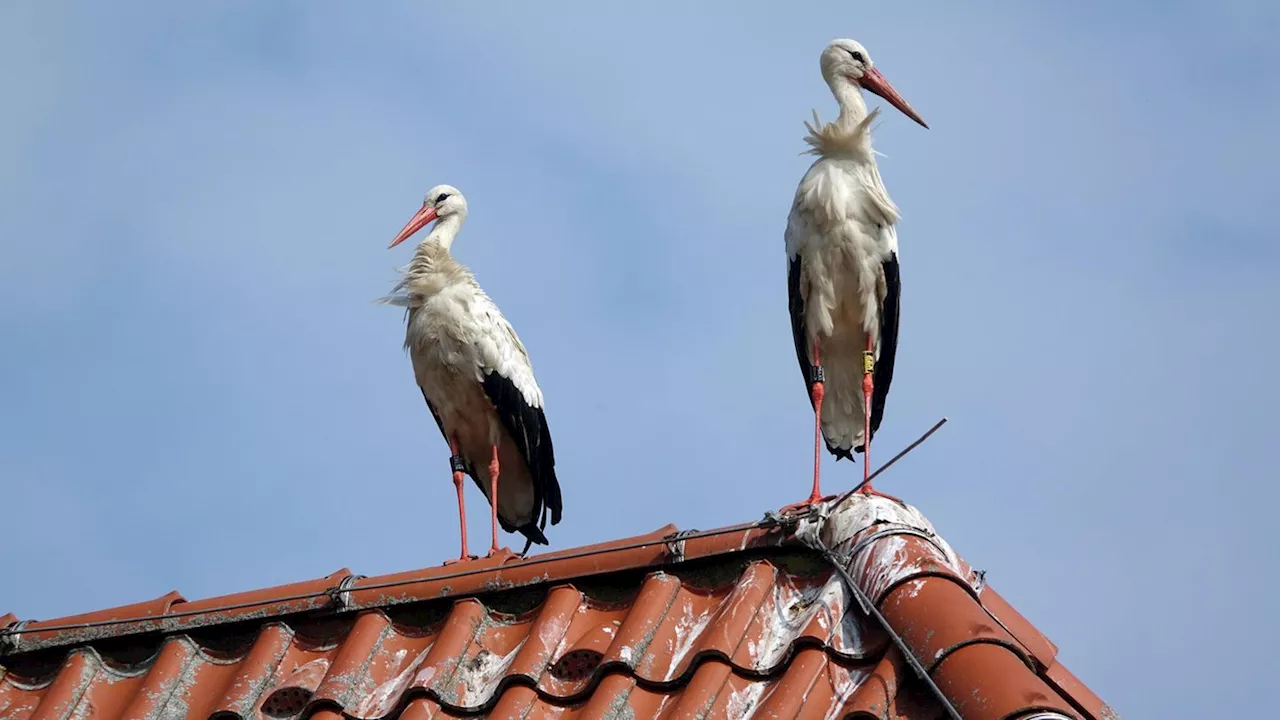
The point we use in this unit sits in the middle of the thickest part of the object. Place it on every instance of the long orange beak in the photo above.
(420, 218)
(872, 80)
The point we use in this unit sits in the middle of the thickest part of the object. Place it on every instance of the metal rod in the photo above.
(892, 460)
(901, 644)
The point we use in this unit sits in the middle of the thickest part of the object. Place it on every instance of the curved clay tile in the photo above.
(741, 622)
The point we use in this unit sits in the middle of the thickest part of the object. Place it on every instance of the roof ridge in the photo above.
(739, 621)
(342, 591)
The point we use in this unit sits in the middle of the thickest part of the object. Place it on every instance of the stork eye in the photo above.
(858, 56)
(441, 198)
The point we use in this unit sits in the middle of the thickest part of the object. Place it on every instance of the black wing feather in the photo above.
(528, 427)
(795, 303)
(883, 376)
(799, 333)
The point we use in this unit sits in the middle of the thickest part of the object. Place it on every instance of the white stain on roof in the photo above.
(481, 674)
(845, 683)
(386, 696)
(688, 628)
(561, 627)
(883, 562)
(742, 703)
(788, 611)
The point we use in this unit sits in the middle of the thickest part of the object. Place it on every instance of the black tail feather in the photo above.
(840, 453)
(534, 535)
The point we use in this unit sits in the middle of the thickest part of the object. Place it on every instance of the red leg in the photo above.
(494, 469)
(868, 367)
(816, 393)
(455, 462)
(868, 385)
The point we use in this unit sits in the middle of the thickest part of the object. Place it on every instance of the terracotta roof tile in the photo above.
(747, 621)
(1070, 687)
(1033, 642)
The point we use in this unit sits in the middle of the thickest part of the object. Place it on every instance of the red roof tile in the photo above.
(747, 621)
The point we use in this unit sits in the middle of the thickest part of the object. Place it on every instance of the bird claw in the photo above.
(868, 490)
(795, 507)
(464, 558)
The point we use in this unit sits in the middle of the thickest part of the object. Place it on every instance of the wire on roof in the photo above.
(335, 593)
(867, 606)
(872, 610)
(330, 592)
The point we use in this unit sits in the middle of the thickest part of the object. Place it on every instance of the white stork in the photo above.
(476, 378)
(842, 264)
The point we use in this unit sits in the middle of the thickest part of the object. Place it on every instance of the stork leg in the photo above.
(816, 393)
(868, 386)
(494, 469)
(458, 467)
(868, 367)
(817, 390)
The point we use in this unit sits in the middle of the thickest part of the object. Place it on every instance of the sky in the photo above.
(198, 393)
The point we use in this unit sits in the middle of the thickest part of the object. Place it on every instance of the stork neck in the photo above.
(444, 232)
(853, 109)
(433, 252)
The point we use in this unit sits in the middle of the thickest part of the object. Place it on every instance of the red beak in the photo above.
(873, 81)
(420, 218)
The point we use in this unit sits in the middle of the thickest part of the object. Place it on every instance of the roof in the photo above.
(752, 620)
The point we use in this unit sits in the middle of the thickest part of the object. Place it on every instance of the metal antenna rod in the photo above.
(892, 460)
(901, 644)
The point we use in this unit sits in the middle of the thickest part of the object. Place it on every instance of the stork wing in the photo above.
(889, 291)
(795, 303)
(800, 334)
(507, 377)
(799, 222)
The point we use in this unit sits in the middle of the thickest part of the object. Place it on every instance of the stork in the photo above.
(477, 380)
(842, 265)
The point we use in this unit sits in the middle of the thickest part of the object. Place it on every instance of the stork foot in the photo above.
(810, 502)
(868, 490)
(464, 558)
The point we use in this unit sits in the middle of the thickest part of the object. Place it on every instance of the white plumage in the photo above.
(842, 255)
(476, 375)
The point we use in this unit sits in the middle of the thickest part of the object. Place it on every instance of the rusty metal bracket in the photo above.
(675, 544)
(12, 637)
(338, 594)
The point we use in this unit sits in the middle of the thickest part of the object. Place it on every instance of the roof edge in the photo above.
(933, 601)
(342, 591)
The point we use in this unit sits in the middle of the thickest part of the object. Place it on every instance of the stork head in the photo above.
(442, 201)
(846, 60)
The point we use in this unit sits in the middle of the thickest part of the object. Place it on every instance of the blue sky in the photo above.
(198, 393)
